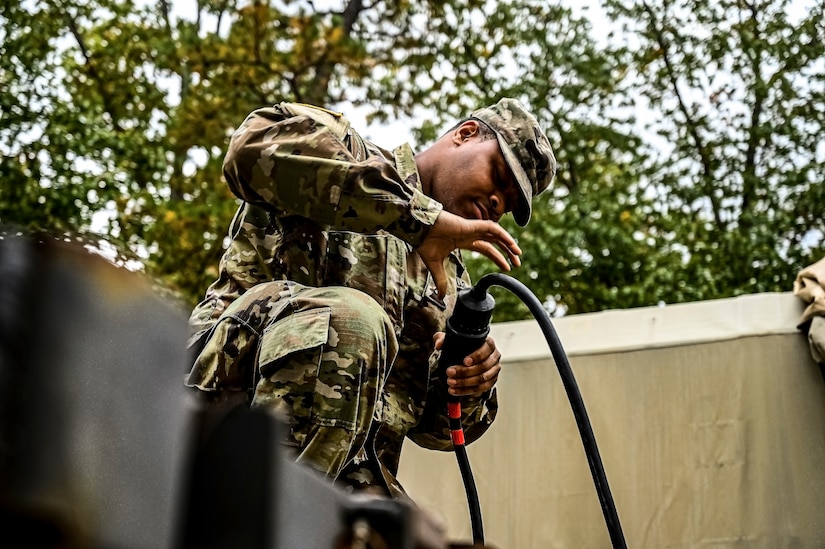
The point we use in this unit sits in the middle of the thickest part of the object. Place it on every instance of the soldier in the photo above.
(342, 269)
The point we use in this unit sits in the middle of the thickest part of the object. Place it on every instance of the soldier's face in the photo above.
(474, 180)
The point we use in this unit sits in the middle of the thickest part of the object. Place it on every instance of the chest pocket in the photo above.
(374, 264)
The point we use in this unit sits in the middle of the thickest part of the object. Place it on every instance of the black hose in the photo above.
(469, 482)
(521, 291)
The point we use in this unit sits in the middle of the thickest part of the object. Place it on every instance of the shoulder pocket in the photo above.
(373, 264)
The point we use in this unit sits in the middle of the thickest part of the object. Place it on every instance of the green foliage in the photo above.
(737, 93)
(689, 163)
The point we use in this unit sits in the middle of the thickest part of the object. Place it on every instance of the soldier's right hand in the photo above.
(450, 232)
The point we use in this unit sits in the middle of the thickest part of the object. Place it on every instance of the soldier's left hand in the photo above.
(478, 373)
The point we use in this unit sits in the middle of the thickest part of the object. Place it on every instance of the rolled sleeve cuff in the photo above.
(422, 215)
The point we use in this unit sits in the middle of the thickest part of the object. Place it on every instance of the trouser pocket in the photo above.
(305, 378)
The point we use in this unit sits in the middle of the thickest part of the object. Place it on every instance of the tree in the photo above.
(116, 116)
(122, 112)
(736, 92)
(718, 191)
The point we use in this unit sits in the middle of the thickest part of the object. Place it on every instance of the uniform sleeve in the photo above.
(433, 431)
(297, 165)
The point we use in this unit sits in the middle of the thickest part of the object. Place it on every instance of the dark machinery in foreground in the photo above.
(101, 446)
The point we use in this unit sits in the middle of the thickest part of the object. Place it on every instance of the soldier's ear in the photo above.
(465, 131)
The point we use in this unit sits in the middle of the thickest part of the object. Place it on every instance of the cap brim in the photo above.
(524, 207)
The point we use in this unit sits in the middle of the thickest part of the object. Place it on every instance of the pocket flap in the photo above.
(297, 332)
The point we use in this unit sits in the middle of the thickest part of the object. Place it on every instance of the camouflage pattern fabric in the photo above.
(323, 312)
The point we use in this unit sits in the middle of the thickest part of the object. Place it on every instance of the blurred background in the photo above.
(687, 133)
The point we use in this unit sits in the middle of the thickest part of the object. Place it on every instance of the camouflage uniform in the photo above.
(323, 311)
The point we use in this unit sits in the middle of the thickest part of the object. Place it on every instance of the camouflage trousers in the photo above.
(318, 358)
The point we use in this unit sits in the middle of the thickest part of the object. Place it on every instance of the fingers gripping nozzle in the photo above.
(467, 328)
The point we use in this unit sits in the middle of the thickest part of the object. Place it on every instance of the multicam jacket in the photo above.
(327, 208)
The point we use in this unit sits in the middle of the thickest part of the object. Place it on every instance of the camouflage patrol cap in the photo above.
(525, 147)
